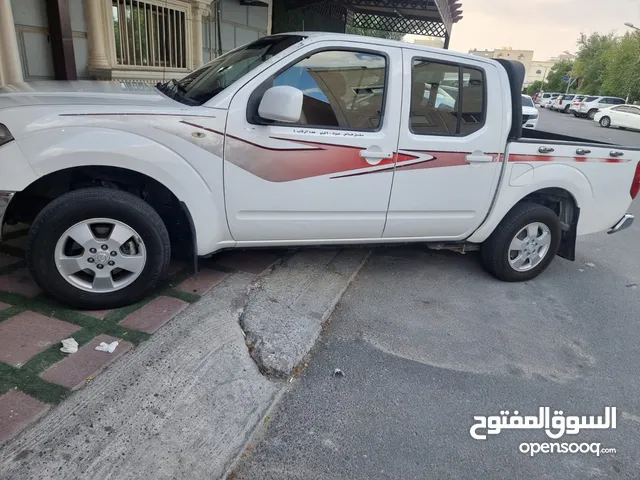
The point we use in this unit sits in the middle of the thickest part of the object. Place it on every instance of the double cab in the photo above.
(296, 139)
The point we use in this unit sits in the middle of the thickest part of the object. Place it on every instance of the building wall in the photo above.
(239, 25)
(523, 56)
(539, 71)
(32, 31)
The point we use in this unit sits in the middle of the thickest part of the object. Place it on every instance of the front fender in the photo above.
(544, 176)
(61, 148)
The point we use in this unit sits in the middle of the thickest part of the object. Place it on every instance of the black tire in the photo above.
(74, 207)
(495, 249)
(566, 109)
(592, 113)
(577, 115)
(605, 122)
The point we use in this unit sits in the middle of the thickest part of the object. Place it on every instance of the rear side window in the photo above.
(446, 99)
(590, 99)
(617, 101)
(621, 109)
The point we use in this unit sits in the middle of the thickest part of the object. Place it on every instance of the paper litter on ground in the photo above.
(107, 347)
(69, 345)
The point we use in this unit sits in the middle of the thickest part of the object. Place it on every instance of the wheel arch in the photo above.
(175, 213)
(560, 187)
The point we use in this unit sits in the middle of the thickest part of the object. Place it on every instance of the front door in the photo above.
(455, 129)
(327, 176)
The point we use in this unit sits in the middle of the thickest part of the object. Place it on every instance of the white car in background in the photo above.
(562, 103)
(575, 104)
(545, 99)
(529, 113)
(621, 116)
(590, 105)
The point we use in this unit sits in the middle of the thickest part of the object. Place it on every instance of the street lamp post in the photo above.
(571, 74)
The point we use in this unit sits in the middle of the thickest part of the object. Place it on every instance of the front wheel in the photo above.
(605, 122)
(98, 248)
(524, 243)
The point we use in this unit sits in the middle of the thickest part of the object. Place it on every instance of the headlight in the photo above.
(531, 117)
(5, 135)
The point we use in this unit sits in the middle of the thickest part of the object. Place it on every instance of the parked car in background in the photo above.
(529, 113)
(545, 99)
(588, 108)
(621, 116)
(574, 105)
(562, 102)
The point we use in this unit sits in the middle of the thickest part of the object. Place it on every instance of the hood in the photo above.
(82, 93)
(529, 110)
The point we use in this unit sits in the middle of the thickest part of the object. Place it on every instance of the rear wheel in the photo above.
(98, 248)
(592, 113)
(566, 109)
(523, 244)
(605, 122)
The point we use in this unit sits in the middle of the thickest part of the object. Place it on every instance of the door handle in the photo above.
(582, 151)
(545, 150)
(616, 153)
(374, 157)
(478, 157)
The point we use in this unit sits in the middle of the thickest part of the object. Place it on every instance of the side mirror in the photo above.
(281, 104)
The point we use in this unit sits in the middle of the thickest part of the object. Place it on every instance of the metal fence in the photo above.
(149, 35)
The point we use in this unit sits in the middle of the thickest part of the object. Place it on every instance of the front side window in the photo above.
(634, 110)
(446, 99)
(342, 89)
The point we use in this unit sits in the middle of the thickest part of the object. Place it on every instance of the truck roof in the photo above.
(345, 37)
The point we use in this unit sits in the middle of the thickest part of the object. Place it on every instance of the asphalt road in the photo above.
(427, 340)
(580, 127)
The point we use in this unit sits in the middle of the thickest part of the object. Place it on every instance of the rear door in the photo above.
(327, 176)
(633, 116)
(452, 132)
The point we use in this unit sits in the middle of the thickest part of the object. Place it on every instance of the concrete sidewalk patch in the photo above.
(286, 309)
(182, 406)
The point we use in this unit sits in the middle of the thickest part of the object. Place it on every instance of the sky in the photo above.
(549, 27)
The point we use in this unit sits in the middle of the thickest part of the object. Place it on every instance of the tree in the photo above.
(533, 88)
(559, 71)
(592, 59)
(622, 68)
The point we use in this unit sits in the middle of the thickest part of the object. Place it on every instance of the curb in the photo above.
(287, 307)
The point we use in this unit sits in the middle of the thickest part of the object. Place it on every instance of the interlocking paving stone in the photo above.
(19, 282)
(28, 333)
(99, 314)
(201, 283)
(72, 371)
(17, 410)
(154, 314)
(256, 261)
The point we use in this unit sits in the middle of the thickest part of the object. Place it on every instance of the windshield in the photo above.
(206, 82)
(526, 101)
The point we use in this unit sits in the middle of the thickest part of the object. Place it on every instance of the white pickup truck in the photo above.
(296, 139)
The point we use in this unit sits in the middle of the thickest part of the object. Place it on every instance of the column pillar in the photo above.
(10, 65)
(96, 34)
(199, 12)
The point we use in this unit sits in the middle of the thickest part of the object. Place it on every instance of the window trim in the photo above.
(253, 103)
(460, 66)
